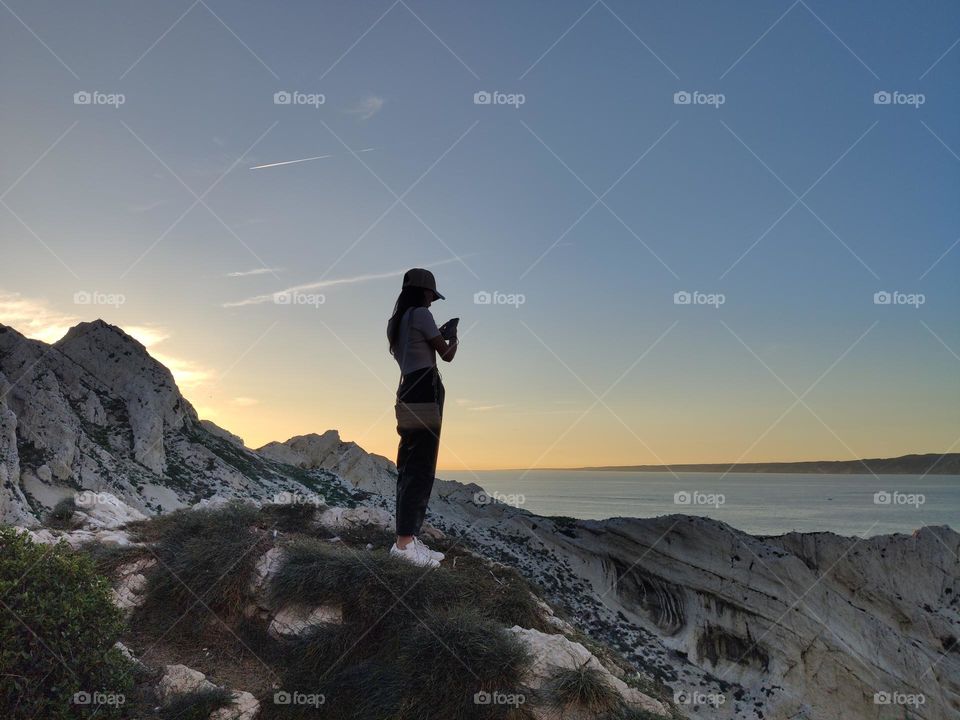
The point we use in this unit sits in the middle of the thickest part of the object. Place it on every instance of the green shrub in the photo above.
(61, 516)
(587, 688)
(57, 631)
(205, 559)
(430, 669)
(317, 572)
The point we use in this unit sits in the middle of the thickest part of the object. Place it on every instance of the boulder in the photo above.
(295, 620)
(552, 652)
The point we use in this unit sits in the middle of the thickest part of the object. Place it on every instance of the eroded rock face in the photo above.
(803, 625)
(373, 473)
(95, 412)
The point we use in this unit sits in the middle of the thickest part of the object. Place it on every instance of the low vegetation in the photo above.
(58, 627)
(430, 644)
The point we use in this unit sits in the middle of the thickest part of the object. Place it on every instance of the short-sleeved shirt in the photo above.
(416, 343)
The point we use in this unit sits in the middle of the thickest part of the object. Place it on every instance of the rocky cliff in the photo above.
(95, 412)
(799, 626)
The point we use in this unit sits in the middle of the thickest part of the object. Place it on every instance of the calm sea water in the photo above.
(768, 503)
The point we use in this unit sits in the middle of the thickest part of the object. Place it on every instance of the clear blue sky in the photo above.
(708, 203)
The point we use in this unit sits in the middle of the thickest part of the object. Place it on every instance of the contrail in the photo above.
(260, 299)
(292, 162)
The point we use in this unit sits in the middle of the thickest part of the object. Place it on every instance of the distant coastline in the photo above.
(927, 464)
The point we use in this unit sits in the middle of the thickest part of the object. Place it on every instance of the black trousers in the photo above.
(417, 454)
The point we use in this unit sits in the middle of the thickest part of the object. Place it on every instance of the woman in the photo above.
(415, 341)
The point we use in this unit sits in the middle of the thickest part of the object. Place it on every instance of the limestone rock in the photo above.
(243, 707)
(373, 473)
(180, 680)
(295, 620)
(551, 652)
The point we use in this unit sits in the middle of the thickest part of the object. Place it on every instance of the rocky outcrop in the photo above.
(95, 412)
(180, 680)
(372, 473)
(813, 626)
(552, 652)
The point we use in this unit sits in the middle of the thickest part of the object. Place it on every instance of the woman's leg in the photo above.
(415, 482)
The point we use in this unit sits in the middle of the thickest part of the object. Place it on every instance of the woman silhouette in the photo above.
(415, 341)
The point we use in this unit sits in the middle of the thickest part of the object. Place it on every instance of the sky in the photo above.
(707, 231)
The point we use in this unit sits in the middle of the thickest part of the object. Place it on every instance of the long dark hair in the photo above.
(409, 297)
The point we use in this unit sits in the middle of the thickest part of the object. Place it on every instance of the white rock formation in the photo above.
(551, 652)
(130, 585)
(373, 473)
(294, 620)
(181, 680)
(94, 411)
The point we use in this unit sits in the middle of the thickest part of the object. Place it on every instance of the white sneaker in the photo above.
(414, 553)
(432, 553)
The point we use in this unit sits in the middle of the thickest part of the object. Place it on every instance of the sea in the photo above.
(757, 503)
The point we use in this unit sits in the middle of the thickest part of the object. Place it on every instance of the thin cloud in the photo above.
(368, 107)
(35, 319)
(255, 271)
(321, 284)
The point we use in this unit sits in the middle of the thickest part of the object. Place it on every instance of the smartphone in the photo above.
(449, 328)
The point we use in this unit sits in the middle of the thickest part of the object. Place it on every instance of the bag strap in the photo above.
(406, 342)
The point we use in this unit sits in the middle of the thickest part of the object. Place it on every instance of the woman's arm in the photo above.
(446, 350)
